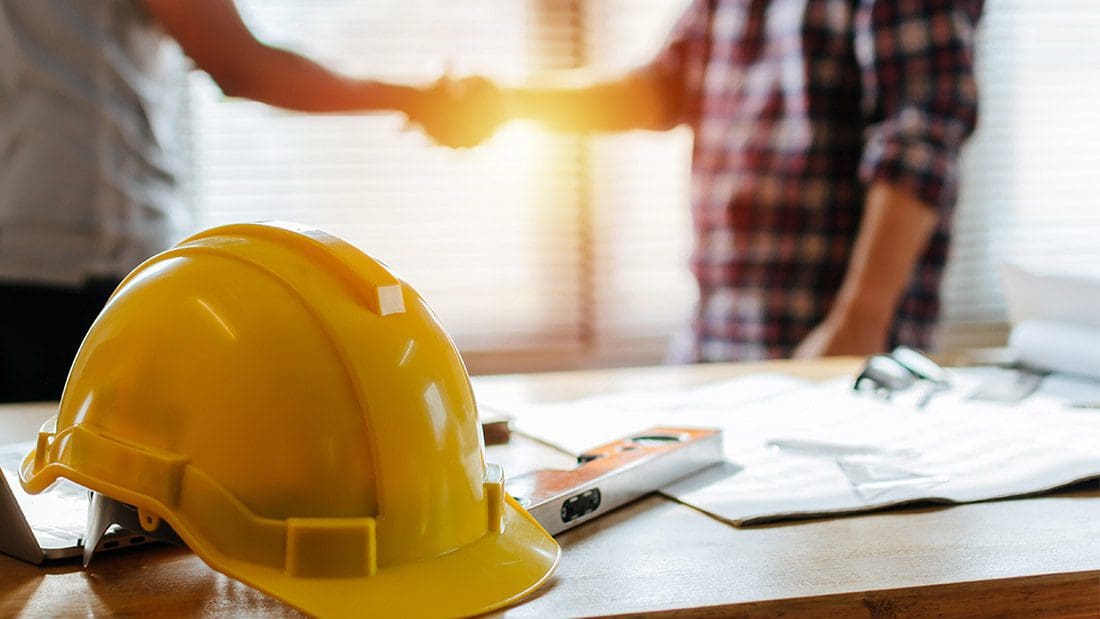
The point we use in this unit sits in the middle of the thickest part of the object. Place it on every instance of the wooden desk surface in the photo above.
(1033, 557)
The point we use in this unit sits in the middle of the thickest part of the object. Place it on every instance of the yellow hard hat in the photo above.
(298, 416)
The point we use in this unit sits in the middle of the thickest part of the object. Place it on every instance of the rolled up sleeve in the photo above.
(920, 96)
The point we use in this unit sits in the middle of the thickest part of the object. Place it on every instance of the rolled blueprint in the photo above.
(1057, 346)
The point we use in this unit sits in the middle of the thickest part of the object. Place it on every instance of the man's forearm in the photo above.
(895, 229)
(573, 103)
(287, 80)
(213, 35)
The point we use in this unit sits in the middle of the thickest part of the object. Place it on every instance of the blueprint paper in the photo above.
(576, 426)
(953, 450)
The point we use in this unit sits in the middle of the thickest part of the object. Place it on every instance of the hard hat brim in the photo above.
(495, 571)
(492, 572)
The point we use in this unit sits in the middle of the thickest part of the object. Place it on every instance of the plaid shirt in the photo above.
(797, 106)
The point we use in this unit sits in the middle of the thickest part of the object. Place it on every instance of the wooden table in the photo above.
(1033, 557)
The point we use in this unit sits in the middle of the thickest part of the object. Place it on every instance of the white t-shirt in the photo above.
(89, 108)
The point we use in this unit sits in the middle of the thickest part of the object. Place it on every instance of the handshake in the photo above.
(458, 112)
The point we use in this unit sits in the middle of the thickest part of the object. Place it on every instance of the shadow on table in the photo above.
(18, 589)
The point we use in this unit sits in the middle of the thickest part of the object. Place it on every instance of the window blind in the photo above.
(1028, 191)
(632, 193)
(640, 190)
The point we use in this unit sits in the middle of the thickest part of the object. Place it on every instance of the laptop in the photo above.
(48, 526)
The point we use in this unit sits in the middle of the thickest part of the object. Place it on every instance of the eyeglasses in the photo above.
(902, 368)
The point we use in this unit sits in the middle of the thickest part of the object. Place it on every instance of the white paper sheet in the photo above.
(580, 425)
(952, 450)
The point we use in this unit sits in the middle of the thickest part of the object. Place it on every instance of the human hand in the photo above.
(840, 335)
(459, 113)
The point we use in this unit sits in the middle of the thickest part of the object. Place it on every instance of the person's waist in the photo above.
(62, 255)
